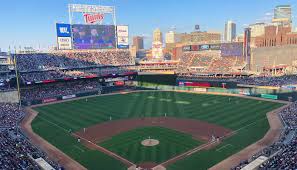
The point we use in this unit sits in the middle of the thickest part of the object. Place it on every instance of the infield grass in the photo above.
(54, 121)
(128, 144)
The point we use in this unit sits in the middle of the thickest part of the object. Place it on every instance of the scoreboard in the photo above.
(93, 36)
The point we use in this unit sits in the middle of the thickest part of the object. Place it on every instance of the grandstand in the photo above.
(90, 78)
(210, 62)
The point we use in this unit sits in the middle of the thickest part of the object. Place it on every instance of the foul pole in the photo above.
(17, 79)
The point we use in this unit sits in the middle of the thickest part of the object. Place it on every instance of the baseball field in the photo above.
(113, 132)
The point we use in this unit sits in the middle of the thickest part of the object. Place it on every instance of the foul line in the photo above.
(95, 145)
(243, 127)
(225, 146)
(77, 147)
(105, 150)
(53, 124)
(186, 154)
(190, 152)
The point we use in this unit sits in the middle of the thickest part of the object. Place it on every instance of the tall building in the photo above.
(170, 37)
(239, 38)
(276, 35)
(157, 45)
(282, 14)
(157, 36)
(138, 42)
(257, 29)
(230, 31)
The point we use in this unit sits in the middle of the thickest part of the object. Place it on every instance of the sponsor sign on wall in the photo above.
(215, 46)
(64, 43)
(63, 30)
(204, 47)
(116, 79)
(195, 48)
(122, 31)
(68, 97)
(93, 18)
(123, 36)
(200, 89)
(64, 35)
(269, 96)
(49, 100)
(187, 48)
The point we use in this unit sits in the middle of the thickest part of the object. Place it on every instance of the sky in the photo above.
(32, 22)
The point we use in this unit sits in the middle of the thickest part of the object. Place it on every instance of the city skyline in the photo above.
(38, 30)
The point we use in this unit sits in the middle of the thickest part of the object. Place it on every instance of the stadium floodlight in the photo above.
(90, 9)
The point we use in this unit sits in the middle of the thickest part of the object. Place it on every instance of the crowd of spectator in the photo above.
(39, 92)
(4, 68)
(72, 59)
(16, 151)
(286, 80)
(10, 114)
(270, 81)
(5, 82)
(289, 116)
(209, 62)
(283, 153)
(285, 158)
(73, 73)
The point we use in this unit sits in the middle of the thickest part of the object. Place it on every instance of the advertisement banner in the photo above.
(194, 84)
(197, 84)
(49, 100)
(93, 18)
(244, 92)
(187, 48)
(123, 42)
(215, 46)
(116, 79)
(289, 87)
(200, 89)
(123, 36)
(269, 96)
(63, 30)
(68, 97)
(122, 31)
(204, 47)
(119, 83)
(194, 47)
(64, 43)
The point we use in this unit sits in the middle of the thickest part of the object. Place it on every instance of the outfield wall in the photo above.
(161, 79)
(54, 99)
(280, 95)
(209, 83)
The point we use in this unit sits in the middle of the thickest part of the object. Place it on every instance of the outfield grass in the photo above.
(128, 144)
(54, 121)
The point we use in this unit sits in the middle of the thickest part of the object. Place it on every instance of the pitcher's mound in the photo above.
(150, 142)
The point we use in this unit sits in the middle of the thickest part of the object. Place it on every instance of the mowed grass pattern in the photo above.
(128, 144)
(54, 121)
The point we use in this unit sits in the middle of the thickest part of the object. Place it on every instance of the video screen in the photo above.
(93, 36)
(232, 49)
